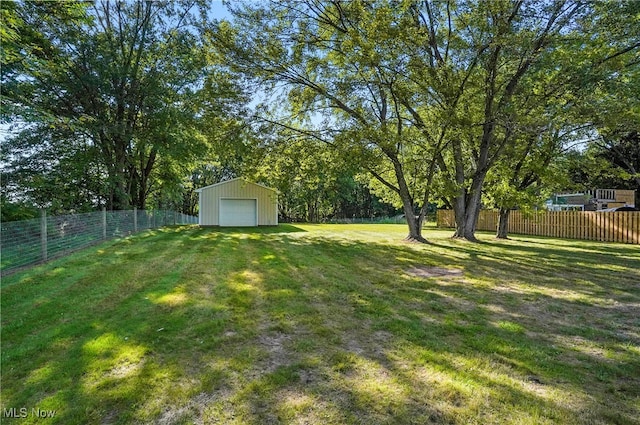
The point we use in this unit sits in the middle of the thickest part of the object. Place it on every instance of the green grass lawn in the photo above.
(321, 324)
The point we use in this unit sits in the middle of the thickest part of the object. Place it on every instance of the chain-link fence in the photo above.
(28, 242)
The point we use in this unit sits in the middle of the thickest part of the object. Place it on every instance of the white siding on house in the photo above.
(266, 201)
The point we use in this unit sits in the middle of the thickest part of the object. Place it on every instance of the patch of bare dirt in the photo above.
(193, 409)
(274, 345)
(426, 271)
(123, 370)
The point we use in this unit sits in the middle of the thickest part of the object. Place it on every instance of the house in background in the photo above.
(592, 200)
(237, 202)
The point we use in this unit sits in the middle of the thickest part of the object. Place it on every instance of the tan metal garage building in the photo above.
(237, 202)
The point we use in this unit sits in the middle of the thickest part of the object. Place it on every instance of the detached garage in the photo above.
(237, 202)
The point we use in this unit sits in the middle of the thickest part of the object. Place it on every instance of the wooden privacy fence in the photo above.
(621, 226)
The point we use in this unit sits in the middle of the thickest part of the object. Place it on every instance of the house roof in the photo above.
(232, 180)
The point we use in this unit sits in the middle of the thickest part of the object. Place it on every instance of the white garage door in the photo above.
(238, 212)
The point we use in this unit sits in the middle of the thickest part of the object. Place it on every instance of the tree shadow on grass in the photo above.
(184, 329)
(505, 324)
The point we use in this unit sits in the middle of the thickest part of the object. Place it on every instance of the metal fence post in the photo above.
(43, 233)
(104, 223)
(135, 220)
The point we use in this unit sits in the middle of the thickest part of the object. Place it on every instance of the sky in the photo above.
(218, 10)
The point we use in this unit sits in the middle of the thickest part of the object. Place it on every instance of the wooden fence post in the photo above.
(43, 234)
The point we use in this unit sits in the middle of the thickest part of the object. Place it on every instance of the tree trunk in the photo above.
(503, 223)
(467, 220)
(466, 207)
(460, 212)
(414, 223)
(145, 173)
(142, 196)
(121, 196)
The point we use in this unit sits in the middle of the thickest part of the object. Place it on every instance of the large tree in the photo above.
(108, 98)
(590, 83)
(420, 94)
(611, 57)
(533, 173)
(484, 56)
(338, 66)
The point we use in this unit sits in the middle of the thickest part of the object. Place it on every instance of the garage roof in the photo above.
(229, 181)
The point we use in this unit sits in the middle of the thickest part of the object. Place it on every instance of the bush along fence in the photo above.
(28, 242)
(620, 226)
